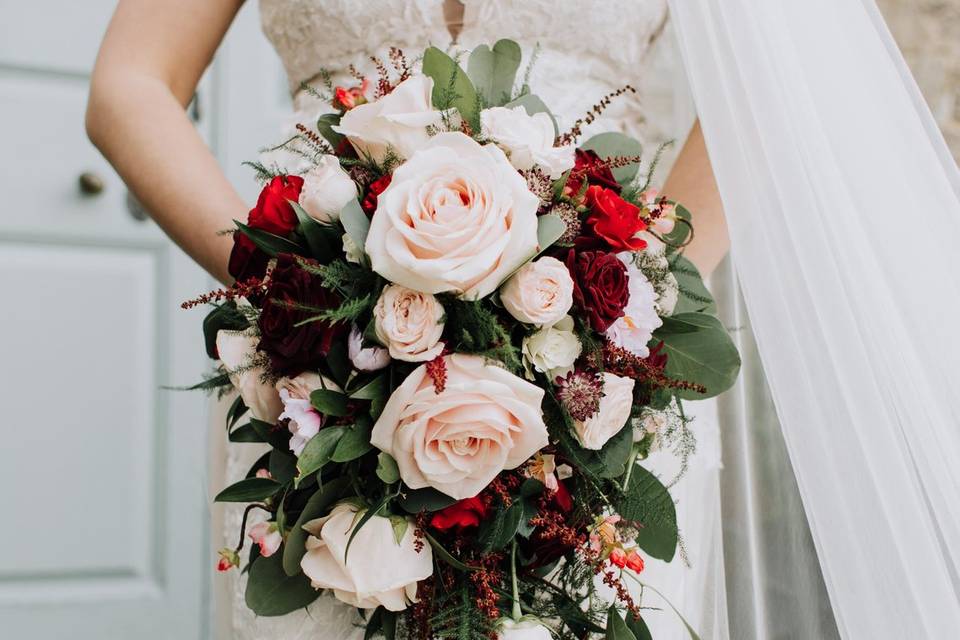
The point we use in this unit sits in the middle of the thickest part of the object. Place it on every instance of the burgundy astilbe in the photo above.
(648, 370)
(246, 288)
(579, 393)
(437, 370)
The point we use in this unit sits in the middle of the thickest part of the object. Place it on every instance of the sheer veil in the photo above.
(844, 211)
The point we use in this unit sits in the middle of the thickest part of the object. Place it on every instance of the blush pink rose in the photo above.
(239, 355)
(484, 420)
(409, 323)
(539, 292)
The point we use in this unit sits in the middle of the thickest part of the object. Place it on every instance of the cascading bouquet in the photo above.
(461, 333)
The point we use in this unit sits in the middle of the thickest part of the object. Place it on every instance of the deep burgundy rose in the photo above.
(376, 187)
(463, 514)
(246, 261)
(614, 220)
(273, 212)
(294, 349)
(599, 286)
(589, 166)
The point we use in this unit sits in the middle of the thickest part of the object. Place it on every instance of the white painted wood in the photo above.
(104, 519)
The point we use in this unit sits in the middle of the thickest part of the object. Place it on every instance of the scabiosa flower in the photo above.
(579, 393)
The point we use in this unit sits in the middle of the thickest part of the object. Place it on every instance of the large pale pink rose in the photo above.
(238, 353)
(457, 217)
(484, 421)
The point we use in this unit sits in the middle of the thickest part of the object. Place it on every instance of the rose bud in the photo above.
(634, 562)
(228, 559)
(267, 536)
(327, 188)
(618, 557)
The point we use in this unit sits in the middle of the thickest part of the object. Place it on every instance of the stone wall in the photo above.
(928, 32)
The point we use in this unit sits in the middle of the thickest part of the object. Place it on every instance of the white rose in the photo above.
(540, 292)
(365, 358)
(456, 217)
(238, 353)
(397, 121)
(327, 188)
(523, 630)
(483, 421)
(305, 421)
(552, 350)
(528, 140)
(409, 323)
(615, 406)
(634, 329)
(360, 580)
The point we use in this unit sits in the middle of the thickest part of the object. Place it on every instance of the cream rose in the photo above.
(456, 217)
(539, 292)
(551, 350)
(614, 411)
(409, 323)
(238, 353)
(527, 139)
(359, 579)
(529, 629)
(398, 121)
(484, 420)
(327, 188)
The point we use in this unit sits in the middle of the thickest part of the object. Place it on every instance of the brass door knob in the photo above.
(90, 183)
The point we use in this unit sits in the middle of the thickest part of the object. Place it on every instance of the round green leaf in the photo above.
(647, 502)
(699, 350)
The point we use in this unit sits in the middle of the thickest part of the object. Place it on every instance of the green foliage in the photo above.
(328, 402)
(694, 295)
(616, 145)
(224, 316)
(699, 350)
(316, 506)
(647, 502)
(323, 240)
(387, 469)
(472, 327)
(325, 124)
(271, 592)
(347, 279)
(383, 622)
(426, 499)
(349, 310)
(318, 451)
(493, 71)
(617, 629)
(209, 383)
(458, 618)
(639, 628)
(682, 231)
(355, 442)
(355, 222)
(452, 88)
(497, 531)
(269, 243)
(249, 490)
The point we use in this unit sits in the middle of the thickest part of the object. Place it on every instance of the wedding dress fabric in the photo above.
(844, 213)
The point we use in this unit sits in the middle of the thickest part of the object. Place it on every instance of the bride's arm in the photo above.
(149, 64)
(692, 184)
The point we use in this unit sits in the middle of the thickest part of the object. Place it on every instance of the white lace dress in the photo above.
(585, 49)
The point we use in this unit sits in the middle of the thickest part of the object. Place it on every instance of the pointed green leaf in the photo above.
(269, 243)
(354, 443)
(616, 628)
(325, 124)
(648, 503)
(318, 236)
(532, 105)
(318, 451)
(329, 403)
(549, 230)
(249, 490)
(317, 505)
(387, 469)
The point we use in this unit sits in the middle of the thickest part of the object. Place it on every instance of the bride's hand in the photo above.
(691, 183)
(151, 59)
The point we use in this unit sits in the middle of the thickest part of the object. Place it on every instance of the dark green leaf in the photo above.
(549, 230)
(244, 433)
(271, 592)
(612, 144)
(283, 466)
(338, 359)
(493, 71)
(277, 437)
(355, 442)
(639, 628)
(699, 350)
(497, 532)
(678, 236)
(451, 86)
(269, 243)
(316, 507)
(319, 237)
(325, 125)
(329, 403)
(616, 628)
(376, 388)
(446, 556)
(224, 316)
(387, 469)
(318, 450)
(610, 461)
(648, 502)
(365, 518)
(248, 490)
(427, 499)
(235, 412)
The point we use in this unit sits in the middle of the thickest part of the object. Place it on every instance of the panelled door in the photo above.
(103, 515)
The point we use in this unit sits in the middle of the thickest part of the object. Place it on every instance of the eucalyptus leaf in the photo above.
(549, 230)
(612, 144)
(316, 507)
(648, 503)
(271, 592)
(355, 222)
(699, 350)
(693, 294)
(451, 86)
(678, 237)
(493, 71)
(248, 490)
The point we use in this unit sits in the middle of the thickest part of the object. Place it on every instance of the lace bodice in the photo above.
(586, 48)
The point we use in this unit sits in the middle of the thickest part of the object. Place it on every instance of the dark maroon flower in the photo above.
(293, 349)
(246, 260)
(600, 286)
(590, 167)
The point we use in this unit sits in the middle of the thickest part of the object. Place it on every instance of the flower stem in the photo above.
(630, 463)
(516, 612)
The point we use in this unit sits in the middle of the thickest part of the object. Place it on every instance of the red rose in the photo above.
(614, 219)
(376, 187)
(293, 349)
(588, 166)
(462, 514)
(273, 212)
(599, 286)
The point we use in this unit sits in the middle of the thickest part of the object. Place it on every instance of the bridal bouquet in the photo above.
(461, 332)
